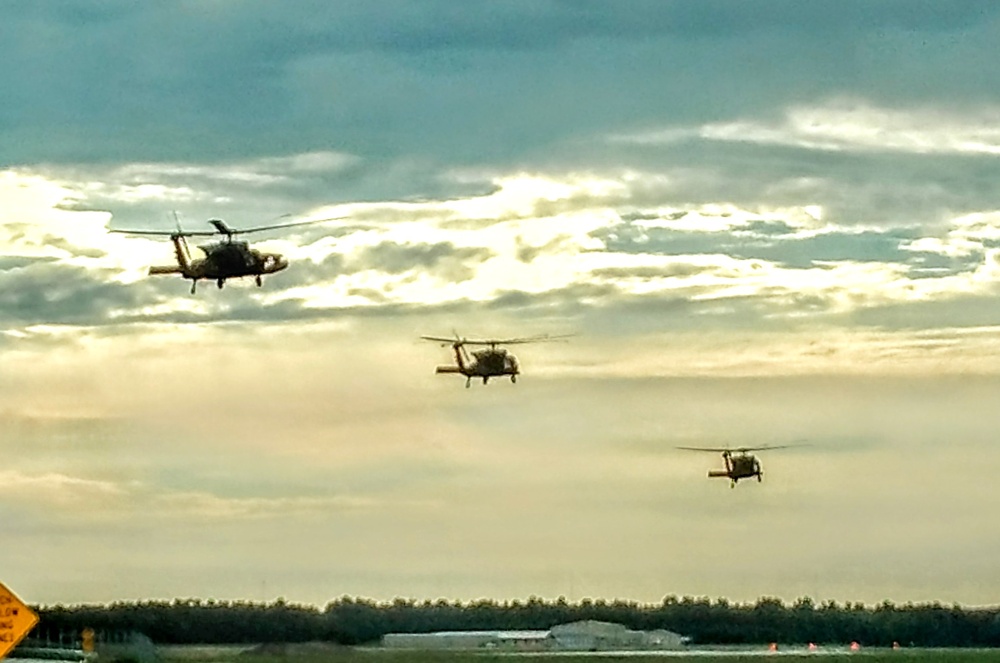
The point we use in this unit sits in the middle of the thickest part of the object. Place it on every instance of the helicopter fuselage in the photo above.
(223, 260)
(491, 361)
(740, 463)
(739, 466)
(235, 259)
(484, 364)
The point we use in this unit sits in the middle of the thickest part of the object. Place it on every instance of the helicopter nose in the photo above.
(275, 263)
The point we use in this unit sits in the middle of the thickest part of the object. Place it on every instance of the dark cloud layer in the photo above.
(880, 188)
(769, 242)
(51, 293)
(443, 259)
(440, 81)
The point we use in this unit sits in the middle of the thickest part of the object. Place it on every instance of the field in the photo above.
(327, 654)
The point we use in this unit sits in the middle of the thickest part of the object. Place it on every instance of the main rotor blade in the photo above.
(763, 448)
(443, 339)
(164, 233)
(738, 450)
(712, 449)
(543, 338)
(221, 229)
(255, 229)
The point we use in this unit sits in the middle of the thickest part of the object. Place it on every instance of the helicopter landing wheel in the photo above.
(220, 283)
(760, 477)
(194, 284)
(258, 281)
(513, 379)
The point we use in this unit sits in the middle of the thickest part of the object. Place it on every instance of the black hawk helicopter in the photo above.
(225, 259)
(740, 463)
(491, 361)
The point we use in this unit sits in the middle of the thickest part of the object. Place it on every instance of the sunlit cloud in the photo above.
(92, 499)
(36, 224)
(528, 233)
(209, 507)
(845, 125)
(58, 488)
(263, 172)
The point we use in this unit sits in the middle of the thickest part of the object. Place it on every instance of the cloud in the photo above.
(208, 507)
(379, 83)
(529, 240)
(844, 125)
(443, 259)
(57, 486)
(46, 292)
(202, 478)
(88, 500)
(787, 246)
(619, 274)
(762, 223)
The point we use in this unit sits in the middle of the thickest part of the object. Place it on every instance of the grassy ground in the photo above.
(332, 654)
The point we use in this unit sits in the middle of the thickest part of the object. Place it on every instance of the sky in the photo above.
(763, 223)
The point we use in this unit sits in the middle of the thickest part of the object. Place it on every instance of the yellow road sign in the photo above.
(16, 619)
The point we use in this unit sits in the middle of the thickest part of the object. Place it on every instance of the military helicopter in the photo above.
(740, 463)
(223, 260)
(491, 361)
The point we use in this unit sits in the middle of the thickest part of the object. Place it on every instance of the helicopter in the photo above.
(740, 463)
(224, 259)
(491, 361)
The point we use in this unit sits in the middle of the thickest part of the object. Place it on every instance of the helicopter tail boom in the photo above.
(718, 473)
(448, 369)
(165, 269)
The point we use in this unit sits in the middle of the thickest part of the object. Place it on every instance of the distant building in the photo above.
(577, 636)
(592, 635)
(467, 640)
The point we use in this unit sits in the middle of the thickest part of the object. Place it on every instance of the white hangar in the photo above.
(588, 635)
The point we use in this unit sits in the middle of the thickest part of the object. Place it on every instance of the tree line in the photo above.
(352, 621)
